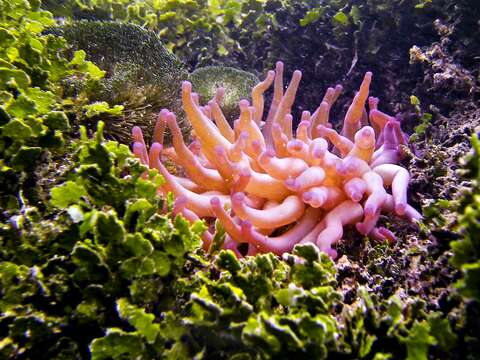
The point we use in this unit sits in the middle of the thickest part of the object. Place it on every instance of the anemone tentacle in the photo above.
(272, 187)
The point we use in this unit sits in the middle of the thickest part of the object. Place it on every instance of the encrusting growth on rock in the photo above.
(271, 187)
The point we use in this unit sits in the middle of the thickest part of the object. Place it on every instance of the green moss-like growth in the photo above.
(467, 249)
(237, 83)
(141, 74)
(99, 256)
(193, 29)
(34, 119)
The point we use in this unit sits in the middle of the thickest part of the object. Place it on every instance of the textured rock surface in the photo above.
(237, 85)
(141, 74)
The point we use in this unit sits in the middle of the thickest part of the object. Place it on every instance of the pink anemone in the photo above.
(272, 187)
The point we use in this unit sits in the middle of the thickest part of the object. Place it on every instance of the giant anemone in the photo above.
(272, 187)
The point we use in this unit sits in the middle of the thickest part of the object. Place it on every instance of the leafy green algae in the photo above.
(104, 241)
(467, 249)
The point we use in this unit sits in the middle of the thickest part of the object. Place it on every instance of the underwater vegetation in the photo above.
(96, 262)
(34, 112)
(467, 249)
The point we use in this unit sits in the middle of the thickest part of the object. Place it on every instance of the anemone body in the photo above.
(272, 187)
